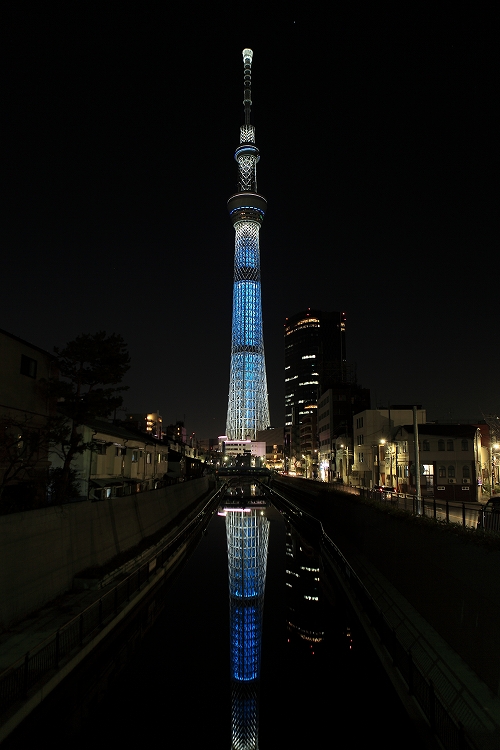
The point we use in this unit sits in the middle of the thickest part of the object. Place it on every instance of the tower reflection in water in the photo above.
(247, 531)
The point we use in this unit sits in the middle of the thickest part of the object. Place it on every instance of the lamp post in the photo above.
(381, 443)
(390, 451)
(495, 447)
(345, 449)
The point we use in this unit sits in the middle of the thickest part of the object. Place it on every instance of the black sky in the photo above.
(379, 160)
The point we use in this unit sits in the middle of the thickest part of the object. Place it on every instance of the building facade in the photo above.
(450, 461)
(316, 371)
(273, 438)
(25, 414)
(374, 451)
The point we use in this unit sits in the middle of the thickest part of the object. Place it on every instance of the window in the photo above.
(451, 471)
(361, 458)
(361, 439)
(442, 471)
(100, 449)
(427, 445)
(440, 445)
(359, 422)
(148, 458)
(449, 445)
(159, 458)
(466, 472)
(135, 456)
(28, 366)
(465, 445)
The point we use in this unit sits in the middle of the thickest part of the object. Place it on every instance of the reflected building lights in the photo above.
(302, 584)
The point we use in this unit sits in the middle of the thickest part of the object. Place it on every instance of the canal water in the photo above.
(318, 681)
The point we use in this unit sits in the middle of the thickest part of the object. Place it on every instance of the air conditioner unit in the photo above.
(465, 481)
(452, 481)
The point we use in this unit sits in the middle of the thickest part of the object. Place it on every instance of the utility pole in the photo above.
(418, 497)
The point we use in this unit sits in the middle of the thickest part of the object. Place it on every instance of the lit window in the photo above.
(442, 471)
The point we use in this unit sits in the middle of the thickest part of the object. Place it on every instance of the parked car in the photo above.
(385, 492)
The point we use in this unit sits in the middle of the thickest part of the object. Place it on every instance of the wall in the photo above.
(454, 584)
(42, 550)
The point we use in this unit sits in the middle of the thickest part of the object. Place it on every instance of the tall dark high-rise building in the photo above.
(315, 361)
(248, 406)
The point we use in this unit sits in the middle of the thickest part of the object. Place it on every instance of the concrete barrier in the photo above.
(43, 550)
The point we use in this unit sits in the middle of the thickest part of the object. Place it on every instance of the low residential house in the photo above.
(25, 414)
(449, 456)
(120, 462)
(374, 451)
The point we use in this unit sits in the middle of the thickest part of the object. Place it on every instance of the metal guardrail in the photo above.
(24, 674)
(470, 514)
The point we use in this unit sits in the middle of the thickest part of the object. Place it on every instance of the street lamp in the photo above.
(495, 447)
(381, 443)
(346, 452)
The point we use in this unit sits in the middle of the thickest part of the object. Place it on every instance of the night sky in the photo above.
(379, 160)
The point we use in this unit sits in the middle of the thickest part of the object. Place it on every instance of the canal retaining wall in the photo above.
(43, 550)
(450, 580)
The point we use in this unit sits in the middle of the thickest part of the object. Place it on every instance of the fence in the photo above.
(466, 514)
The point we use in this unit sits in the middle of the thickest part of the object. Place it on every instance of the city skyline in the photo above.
(382, 203)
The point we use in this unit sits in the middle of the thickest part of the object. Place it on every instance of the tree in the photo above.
(23, 450)
(91, 369)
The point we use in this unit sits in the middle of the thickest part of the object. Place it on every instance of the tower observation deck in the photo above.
(248, 407)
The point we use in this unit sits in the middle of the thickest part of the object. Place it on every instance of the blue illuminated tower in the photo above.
(248, 407)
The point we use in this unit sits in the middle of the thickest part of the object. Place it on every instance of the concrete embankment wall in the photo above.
(42, 550)
(451, 581)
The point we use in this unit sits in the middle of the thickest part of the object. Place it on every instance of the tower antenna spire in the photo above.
(247, 82)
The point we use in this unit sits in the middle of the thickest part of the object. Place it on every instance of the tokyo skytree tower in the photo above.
(248, 407)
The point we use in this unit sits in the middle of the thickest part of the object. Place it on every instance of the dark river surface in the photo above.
(320, 683)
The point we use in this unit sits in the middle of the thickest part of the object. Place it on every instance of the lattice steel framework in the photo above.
(247, 532)
(248, 407)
